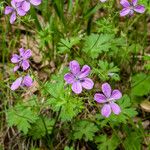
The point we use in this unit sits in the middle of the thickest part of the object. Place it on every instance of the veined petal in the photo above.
(27, 54)
(134, 2)
(84, 71)
(16, 68)
(125, 3)
(69, 78)
(21, 51)
(13, 17)
(13, 3)
(19, 1)
(87, 83)
(27, 81)
(15, 58)
(35, 2)
(106, 90)
(116, 94)
(26, 6)
(139, 8)
(8, 10)
(16, 84)
(25, 64)
(74, 67)
(115, 108)
(21, 12)
(106, 110)
(125, 11)
(77, 87)
(100, 98)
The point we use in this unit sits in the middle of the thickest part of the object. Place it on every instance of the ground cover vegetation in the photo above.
(74, 74)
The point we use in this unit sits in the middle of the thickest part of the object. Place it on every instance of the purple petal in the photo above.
(106, 110)
(116, 94)
(106, 89)
(100, 98)
(19, 1)
(87, 83)
(8, 10)
(15, 58)
(13, 17)
(27, 81)
(134, 2)
(115, 108)
(125, 3)
(13, 3)
(20, 11)
(125, 11)
(35, 2)
(16, 84)
(77, 87)
(84, 71)
(25, 64)
(16, 68)
(74, 67)
(27, 54)
(139, 8)
(21, 51)
(26, 6)
(69, 78)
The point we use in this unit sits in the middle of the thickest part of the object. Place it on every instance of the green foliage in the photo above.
(41, 127)
(147, 60)
(22, 117)
(104, 26)
(106, 71)
(107, 143)
(136, 141)
(95, 44)
(65, 45)
(45, 36)
(61, 98)
(140, 84)
(84, 130)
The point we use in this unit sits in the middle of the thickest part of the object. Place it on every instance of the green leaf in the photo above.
(136, 139)
(107, 143)
(107, 71)
(41, 127)
(84, 129)
(65, 45)
(60, 98)
(140, 84)
(95, 44)
(22, 117)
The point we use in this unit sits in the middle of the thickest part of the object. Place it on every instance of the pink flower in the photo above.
(26, 3)
(22, 59)
(14, 9)
(78, 78)
(108, 97)
(130, 7)
(22, 81)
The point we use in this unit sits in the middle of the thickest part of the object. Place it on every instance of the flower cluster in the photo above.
(22, 62)
(20, 8)
(78, 79)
